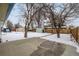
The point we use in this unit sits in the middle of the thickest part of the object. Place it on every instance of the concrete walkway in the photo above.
(70, 51)
(20, 47)
(27, 46)
(64, 38)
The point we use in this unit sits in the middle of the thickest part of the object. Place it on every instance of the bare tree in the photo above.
(62, 13)
(29, 13)
(58, 14)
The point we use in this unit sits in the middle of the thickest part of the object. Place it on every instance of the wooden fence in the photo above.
(75, 33)
(53, 30)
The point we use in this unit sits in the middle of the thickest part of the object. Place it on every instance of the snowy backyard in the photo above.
(65, 38)
(20, 35)
(40, 29)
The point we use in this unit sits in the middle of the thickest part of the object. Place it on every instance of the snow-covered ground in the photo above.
(11, 36)
(65, 38)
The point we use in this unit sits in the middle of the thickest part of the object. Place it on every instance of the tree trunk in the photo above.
(39, 25)
(32, 25)
(58, 32)
(25, 34)
(0, 39)
(0, 36)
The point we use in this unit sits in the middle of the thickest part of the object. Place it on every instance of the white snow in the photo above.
(11, 36)
(64, 38)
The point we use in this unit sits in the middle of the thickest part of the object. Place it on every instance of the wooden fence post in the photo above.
(77, 34)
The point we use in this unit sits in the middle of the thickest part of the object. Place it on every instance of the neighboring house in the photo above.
(20, 30)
